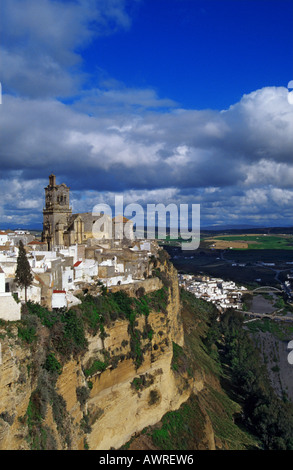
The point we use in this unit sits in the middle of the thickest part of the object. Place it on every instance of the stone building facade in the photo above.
(62, 228)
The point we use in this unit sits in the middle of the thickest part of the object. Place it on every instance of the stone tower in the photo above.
(56, 214)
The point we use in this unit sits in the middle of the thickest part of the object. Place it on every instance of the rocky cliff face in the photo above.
(103, 396)
(15, 390)
(134, 398)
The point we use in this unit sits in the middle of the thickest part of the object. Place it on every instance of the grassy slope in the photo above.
(185, 429)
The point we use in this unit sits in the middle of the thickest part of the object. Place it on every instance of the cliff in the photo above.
(96, 376)
(99, 397)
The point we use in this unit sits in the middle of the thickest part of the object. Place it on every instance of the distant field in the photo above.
(253, 242)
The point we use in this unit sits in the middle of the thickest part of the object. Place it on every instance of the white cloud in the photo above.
(112, 138)
(40, 40)
(151, 151)
(268, 172)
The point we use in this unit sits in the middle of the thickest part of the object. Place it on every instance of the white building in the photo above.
(2, 280)
(223, 294)
(33, 292)
(85, 270)
(70, 251)
(68, 278)
(8, 263)
(3, 238)
(117, 280)
(10, 310)
(59, 299)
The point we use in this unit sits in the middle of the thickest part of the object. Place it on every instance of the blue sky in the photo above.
(161, 101)
(202, 54)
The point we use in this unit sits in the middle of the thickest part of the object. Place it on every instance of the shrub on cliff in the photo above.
(97, 366)
(82, 394)
(158, 300)
(40, 436)
(27, 334)
(52, 364)
(163, 256)
(67, 329)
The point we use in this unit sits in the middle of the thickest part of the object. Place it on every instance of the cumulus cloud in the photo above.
(153, 150)
(41, 42)
(237, 162)
(186, 150)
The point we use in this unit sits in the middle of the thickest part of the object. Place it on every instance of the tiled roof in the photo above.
(120, 218)
(77, 264)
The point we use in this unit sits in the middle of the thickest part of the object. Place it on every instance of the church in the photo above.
(62, 228)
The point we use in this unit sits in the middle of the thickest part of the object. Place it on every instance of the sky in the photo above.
(160, 101)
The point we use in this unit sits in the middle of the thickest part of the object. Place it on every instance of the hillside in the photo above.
(208, 419)
(70, 379)
(238, 406)
(138, 370)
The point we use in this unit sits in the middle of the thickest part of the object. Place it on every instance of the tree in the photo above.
(23, 275)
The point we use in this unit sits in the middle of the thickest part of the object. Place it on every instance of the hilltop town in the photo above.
(69, 369)
(71, 258)
(223, 294)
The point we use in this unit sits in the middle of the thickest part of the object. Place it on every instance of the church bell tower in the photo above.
(56, 213)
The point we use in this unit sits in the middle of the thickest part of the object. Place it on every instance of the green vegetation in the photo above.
(99, 312)
(180, 361)
(97, 366)
(142, 382)
(247, 302)
(238, 400)
(280, 303)
(282, 331)
(201, 346)
(40, 436)
(264, 413)
(23, 274)
(52, 364)
(244, 411)
(154, 397)
(263, 242)
(65, 332)
(68, 328)
(27, 334)
(185, 428)
(82, 394)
